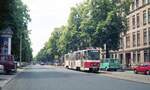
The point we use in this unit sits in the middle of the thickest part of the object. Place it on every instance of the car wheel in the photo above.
(136, 72)
(115, 69)
(67, 67)
(147, 72)
(78, 68)
(106, 69)
(7, 72)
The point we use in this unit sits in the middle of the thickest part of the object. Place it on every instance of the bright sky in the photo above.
(46, 15)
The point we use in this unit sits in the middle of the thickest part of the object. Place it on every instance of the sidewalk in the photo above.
(4, 79)
(127, 75)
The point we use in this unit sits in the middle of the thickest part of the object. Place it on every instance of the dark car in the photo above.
(143, 68)
(8, 63)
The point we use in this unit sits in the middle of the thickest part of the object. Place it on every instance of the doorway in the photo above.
(128, 60)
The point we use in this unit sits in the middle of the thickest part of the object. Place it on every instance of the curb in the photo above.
(10, 79)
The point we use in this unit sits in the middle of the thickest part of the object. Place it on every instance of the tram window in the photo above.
(84, 57)
(86, 54)
(93, 55)
(78, 56)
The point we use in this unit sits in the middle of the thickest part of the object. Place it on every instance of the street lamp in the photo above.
(20, 49)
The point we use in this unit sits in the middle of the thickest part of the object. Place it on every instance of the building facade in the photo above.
(135, 44)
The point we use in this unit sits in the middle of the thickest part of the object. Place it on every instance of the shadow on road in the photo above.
(3, 73)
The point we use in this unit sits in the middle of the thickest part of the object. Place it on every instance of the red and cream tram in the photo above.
(88, 59)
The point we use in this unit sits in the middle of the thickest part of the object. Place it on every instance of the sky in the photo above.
(47, 15)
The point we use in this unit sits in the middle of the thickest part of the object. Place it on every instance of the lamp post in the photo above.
(20, 49)
(123, 45)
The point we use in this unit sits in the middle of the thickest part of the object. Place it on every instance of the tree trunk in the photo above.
(107, 51)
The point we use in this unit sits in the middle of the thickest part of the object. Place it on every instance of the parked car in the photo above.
(42, 63)
(143, 68)
(7, 61)
(110, 64)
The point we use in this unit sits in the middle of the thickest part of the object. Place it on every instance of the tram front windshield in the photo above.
(93, 55)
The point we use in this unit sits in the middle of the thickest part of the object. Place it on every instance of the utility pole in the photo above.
(20, 50)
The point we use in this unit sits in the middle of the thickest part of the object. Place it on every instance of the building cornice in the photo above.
(138, 8)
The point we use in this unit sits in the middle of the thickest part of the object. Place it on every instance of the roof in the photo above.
(6, 31)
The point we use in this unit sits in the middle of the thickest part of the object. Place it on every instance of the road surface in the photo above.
(57, 78)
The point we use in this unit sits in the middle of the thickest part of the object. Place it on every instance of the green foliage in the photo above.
(14, 14)
(51, 49)
(92, 23)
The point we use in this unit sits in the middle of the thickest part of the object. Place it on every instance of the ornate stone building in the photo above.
(135, 44)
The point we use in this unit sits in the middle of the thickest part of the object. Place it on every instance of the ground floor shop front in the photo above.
(129, 58)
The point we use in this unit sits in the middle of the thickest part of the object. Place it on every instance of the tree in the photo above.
(92, 23)
(14, 14)
(109, 23)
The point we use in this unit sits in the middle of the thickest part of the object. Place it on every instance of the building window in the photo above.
(127, 41)
(144, 2)
(134, 57)
(103, 56)
(148, 1)
(138, 20)
(111, 55)
(137, 3)
(149, 15)
(128, 24)
(145, 37)
(134, 39)
(138, 38)
(147, 55)
(138, 56)
(115, 55)
(144, 17)
(133, 21)
(133, 5)
(121, 43)
(121, 58)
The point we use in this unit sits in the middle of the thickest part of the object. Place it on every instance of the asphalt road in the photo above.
(56, 78)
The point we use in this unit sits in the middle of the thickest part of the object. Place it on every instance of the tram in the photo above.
(88, 59)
